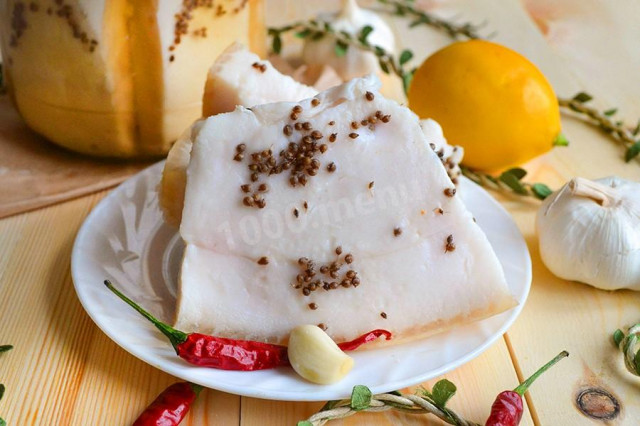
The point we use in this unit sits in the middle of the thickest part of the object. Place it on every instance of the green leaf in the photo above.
(636, 131)
(541, 191)
(582, 97)
(383, 66)
(2, 389)
(517, 172)
(561, 140)
(636, 362)
(513, 182)
(406, 81)
(346, 35)
(379, 51)
(302, 423)
(360, 397)
(610, 112)
(2, 422)
(329, 405)
(405, 56)
(304, 33)
(632, 152)
(364, 33)
(276, 44)
(618, 335)
(442, 392)
(5, 348)
(340, 48)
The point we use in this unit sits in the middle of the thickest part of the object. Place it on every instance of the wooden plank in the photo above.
(478, 382)
(63, 369)
(35, 173)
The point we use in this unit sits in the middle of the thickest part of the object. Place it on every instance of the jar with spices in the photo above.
(117, 78)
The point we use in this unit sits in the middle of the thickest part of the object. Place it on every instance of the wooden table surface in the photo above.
(64, 370)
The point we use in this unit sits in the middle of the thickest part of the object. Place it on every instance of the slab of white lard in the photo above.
(423, 263)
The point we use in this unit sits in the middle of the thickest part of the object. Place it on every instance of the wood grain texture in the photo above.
(478, 383)
(65, 371)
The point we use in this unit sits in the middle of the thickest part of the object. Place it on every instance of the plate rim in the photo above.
(288, 395)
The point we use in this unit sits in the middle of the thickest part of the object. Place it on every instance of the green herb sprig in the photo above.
(406, 8)
(629, 138)
(315, 30)
(422, 402)
(508, 181)
(629, 344)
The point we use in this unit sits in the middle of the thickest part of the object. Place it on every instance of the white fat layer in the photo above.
(410, 276)
(233, 80)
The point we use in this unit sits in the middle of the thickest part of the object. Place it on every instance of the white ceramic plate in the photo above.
(125, 240)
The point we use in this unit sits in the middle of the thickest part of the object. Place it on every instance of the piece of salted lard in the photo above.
(234, 80)
(240, 77)
(357, 225)
(449, 155)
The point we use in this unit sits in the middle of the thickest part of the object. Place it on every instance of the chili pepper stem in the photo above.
(196, 388)
(176, 337)
(522, 388)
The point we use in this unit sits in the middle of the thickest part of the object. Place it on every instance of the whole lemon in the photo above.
(490, 100)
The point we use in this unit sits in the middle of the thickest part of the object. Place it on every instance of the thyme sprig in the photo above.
(629, 344)
(629, 138)
(422, 402)
(405, 8)
(316, 30)
(507, 181)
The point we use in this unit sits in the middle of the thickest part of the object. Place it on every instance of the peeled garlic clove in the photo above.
(316, 357)
(589, 231)
(356, 62)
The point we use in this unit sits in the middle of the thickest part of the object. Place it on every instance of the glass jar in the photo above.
(118, 78)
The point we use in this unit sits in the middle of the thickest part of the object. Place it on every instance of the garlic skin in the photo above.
(589, 231)
(355, 63)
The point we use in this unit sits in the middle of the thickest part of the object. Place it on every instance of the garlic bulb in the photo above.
(355, 63)
(589, 231)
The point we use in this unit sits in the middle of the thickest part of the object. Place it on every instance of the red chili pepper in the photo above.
(231, 354)
(171, 406)
(365, 338)
(507, 408)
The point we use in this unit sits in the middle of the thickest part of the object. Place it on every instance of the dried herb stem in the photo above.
(603, 119)
(409, 403)
(405, 8)
(315, 30)
(509, 181)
